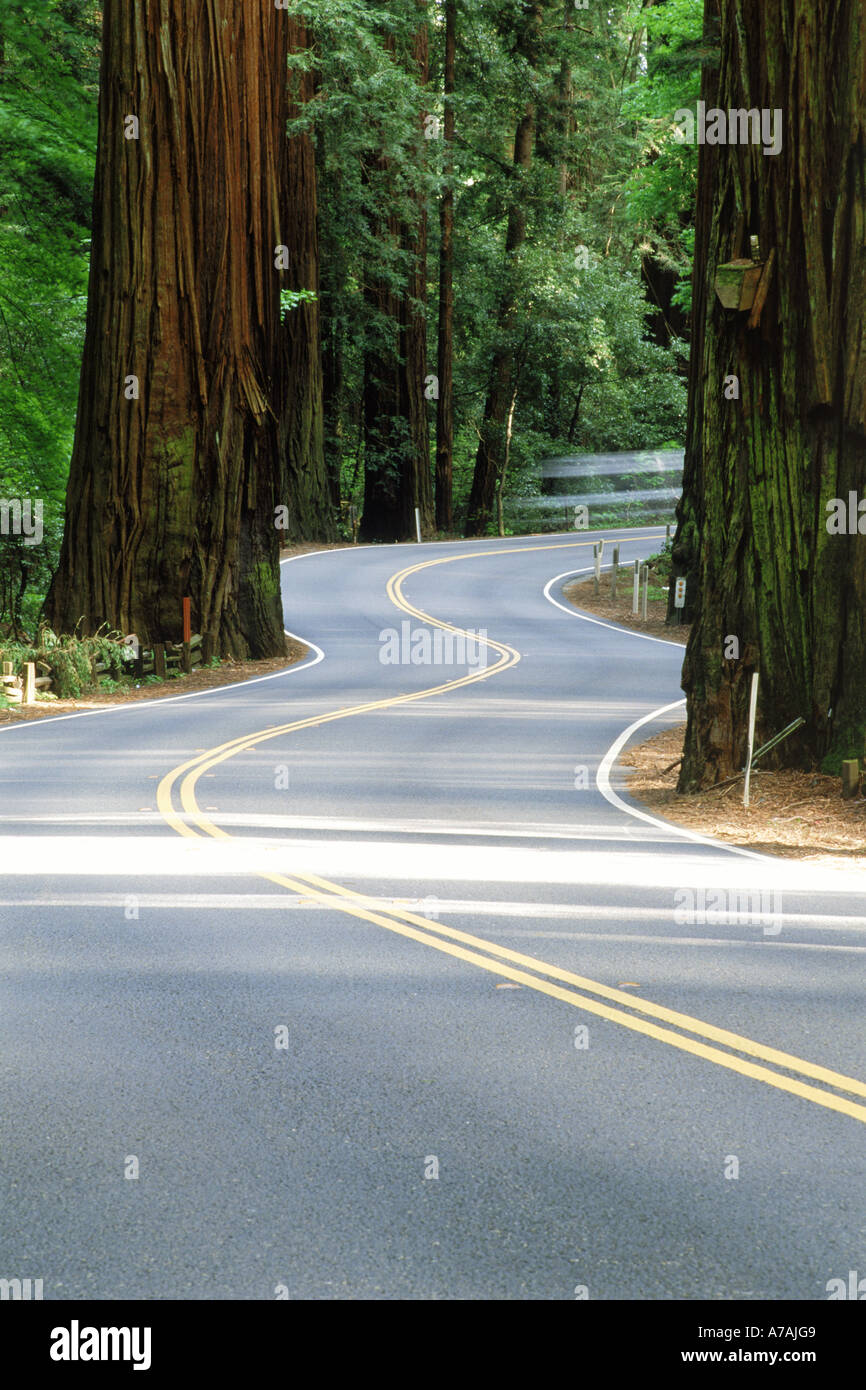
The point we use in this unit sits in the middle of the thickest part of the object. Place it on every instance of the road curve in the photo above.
(368, 979)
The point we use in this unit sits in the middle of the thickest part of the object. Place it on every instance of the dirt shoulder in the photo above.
(618, 610)
(795, 815)
(227, 673)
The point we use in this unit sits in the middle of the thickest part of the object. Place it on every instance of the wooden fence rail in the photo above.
(160, 660)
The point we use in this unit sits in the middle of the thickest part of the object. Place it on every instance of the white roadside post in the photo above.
(596, 555)
(680, 596)
(635, 603)
(753, 707)
(418, 523)
(645, 578)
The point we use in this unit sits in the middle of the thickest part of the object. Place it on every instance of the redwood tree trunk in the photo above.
(333, 270)
(445, 365)
(490, 459)
(305, 487)
(172, 488)
(687, 541)
(396, 428)
(762, 469)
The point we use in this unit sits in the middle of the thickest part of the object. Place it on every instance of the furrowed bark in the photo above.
(172, 492)
(490, 458)
(305, 486)
(762, 470)
(396, 429)
(445, 356)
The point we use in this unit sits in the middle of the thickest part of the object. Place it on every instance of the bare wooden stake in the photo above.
(762, 292)
(753, 710)
(850, 778)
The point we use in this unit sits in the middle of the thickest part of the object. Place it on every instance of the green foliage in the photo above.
(610, 177)
(48, 91)
(660, 192)
(290, 299)
(847, 743)
(68, 659)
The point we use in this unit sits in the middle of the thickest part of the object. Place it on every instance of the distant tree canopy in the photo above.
(568, 230)
(49, 76)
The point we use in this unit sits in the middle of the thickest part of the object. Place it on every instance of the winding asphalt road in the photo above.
(384, 988)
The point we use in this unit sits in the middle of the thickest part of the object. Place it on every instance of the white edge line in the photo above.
(192, 694)
(602, 781)
(614, 627)
(602, 777)
(235, 685)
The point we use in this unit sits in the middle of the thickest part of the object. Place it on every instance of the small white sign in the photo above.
(680, 594)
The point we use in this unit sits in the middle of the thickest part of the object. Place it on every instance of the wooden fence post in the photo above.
(850, 778)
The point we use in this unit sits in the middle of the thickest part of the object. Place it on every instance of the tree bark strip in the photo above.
(490, 458)
(396, 428)
(305, 486)
(173, 492)
(445, 358)
(761, 470)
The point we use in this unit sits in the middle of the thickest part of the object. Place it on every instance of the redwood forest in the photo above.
(281, 273)
(432, 673)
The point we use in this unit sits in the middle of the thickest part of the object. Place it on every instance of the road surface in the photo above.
(368, 980)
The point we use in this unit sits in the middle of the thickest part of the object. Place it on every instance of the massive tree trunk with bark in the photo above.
(172, 487)
(776, 465)
(333, 272)
(490, 460)
(686, 547)
(445, 356)
(305, 486)
(396, 427)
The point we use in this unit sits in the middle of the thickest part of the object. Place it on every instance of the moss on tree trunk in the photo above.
(774, 591)
(172, 482)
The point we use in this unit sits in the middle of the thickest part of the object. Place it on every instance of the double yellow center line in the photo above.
(753, 1059)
